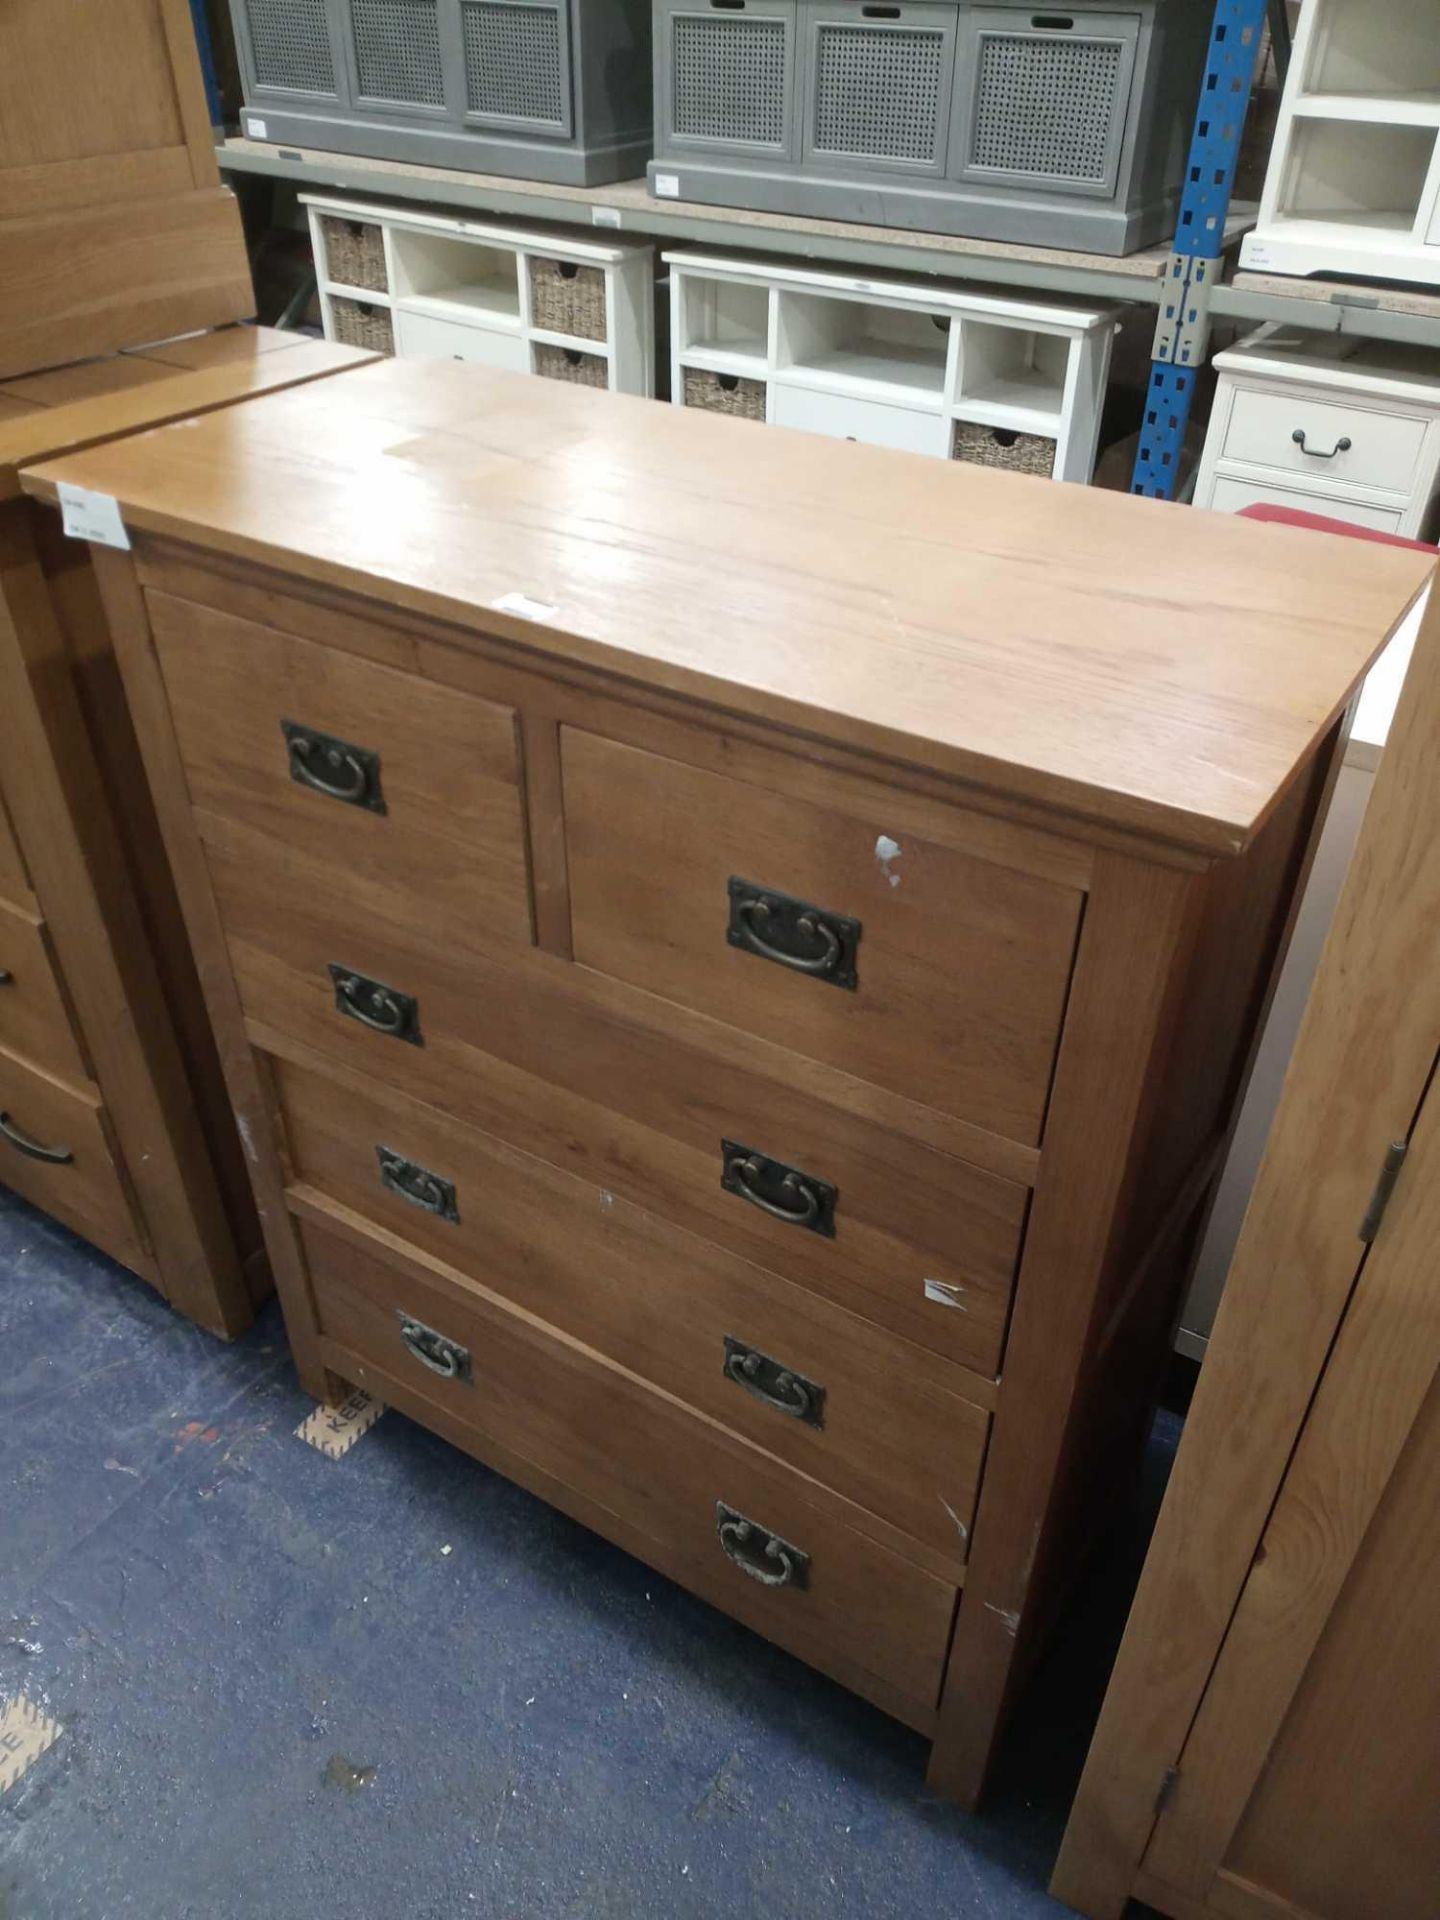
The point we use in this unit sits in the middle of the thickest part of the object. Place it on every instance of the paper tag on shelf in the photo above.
(525, 607)
(92, 516)
(257, 129)
(667, 186)
(605, 216)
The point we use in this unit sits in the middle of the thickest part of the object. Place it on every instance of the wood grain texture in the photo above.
(35, 1021)
(88, 1192)
(1191, 661)
(250, 1096)
(94, 278)
(526, 1055)
(14, 879)
(54, 791)
(963, 965)
(1140, 925)
(1362, 1062)
(1382, 1368)
(86, 380)
(450, 846)
(655, 1464)
(898, 1435)
(223, 347)
(182, 396)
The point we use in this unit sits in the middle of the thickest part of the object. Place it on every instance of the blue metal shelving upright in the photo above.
(1182, 336)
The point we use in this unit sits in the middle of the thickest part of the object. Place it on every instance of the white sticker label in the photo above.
(525, 607)
(605, 216)
(667, 186)
(258, 129)
(92, 516)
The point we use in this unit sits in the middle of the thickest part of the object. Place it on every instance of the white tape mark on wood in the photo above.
(334, 1430)
(25, 1733)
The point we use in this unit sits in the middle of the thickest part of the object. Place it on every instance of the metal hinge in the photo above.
(1166, 1794)
(1380, 1199)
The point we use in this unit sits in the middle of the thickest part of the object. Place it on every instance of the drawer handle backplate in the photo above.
(793, 933)
(33, 1149)
(1343, 445)
(774, 1384)
(408, 1180)
(7, 979)
(435, 1350)
(333, 767)
(785, 1193)
(383, 1009)
(758, 1552)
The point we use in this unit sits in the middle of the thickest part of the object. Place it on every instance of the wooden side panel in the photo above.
(1361, 1064)
(78, 865)
(93, 279)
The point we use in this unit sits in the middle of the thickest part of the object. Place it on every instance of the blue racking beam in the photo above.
(1182, 337)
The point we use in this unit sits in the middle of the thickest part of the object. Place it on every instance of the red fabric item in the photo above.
(1321, 523)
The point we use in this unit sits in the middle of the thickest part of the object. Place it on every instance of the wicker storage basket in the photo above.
(568, 298)
(564, 363)
(359, 325)
(354, 253)
(1003, 447)
(725, 393)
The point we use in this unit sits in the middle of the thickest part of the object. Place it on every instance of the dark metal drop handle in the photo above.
(772, 1563)
(785, 1393)
(822, 963)
(351, 788)
(803, 1215)
(433, 1350)
(1341, 446)
(422, 1189)
(384, 1013)
(33, 1149)
(7, 979)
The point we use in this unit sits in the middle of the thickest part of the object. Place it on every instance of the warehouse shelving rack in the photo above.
(1187, 285)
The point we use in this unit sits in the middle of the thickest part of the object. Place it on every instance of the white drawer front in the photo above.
(874, 421)
(419, 336)
(1230, 495)
(1383, 450)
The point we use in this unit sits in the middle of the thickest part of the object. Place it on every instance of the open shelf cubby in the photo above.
(1357, 174)
(725, 325)
(457, 277)
(889, 352)
(1005, 370)
(1383, 51)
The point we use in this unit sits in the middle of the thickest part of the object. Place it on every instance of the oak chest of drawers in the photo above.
(736, 957)
(113, 1111)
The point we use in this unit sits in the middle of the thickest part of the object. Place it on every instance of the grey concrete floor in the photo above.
(282, 1699)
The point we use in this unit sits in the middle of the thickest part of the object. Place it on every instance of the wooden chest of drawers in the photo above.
(113, 1111)
(736, 957)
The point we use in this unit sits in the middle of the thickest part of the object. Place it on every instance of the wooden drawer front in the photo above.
(524, 1054)
(876, 1419)
(1383, 451)
(660, 1470)
(962, 966)
(34, 1021)
(875, 422)
(1230, 495)
(447, 851)
(14, 881)
(419, 336)
(86, 1190)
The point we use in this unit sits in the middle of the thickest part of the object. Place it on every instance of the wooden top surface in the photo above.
(1136, 664)
(50, 413)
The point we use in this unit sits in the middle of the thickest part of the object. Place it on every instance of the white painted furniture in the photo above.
(1011, 382)
(436, 286)
(1353, 185)
(1342, 427)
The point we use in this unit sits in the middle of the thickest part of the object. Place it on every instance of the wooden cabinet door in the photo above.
(1308, 1785)
(99, 103)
